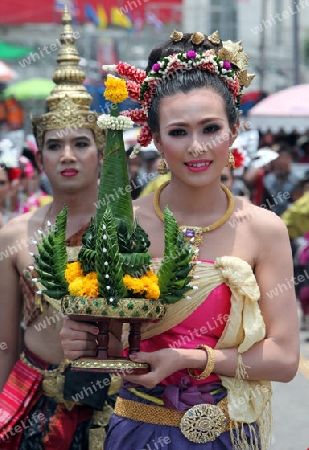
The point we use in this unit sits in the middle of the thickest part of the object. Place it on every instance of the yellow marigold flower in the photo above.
(146, 286)
(73, 271)
(76, 287)
(90, 287)
(92, 276)
(116, 89)
(153, 292)
(150, 274)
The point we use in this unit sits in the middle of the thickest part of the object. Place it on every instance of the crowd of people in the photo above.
(23, 185)
(214, 389)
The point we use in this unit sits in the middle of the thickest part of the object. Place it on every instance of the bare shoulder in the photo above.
(143, 207)
(15, 226)
(264, 224)
(20, 226)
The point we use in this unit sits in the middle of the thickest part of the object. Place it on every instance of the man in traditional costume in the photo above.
(37, 406)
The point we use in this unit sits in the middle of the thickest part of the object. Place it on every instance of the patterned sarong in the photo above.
(30, 420)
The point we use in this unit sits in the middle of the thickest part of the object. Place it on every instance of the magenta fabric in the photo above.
(204, 326)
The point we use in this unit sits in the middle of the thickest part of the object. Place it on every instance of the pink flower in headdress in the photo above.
(226, 65)
(156, 67)
(233, 86)
(152, 83)
(130, 72)
(191, 54)
(133, 90)
(208, 66)
(145, 136)
(174, 66)
(148, 96)
(137, 115)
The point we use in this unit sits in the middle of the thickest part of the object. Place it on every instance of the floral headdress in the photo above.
(229, 63)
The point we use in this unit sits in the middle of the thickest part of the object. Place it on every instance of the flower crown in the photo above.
(228, 63)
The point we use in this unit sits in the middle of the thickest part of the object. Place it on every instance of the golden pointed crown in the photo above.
(69, 102)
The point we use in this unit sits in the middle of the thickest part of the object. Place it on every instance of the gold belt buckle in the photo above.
(203, 423)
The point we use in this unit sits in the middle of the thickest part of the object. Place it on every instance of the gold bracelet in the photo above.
(209, 365)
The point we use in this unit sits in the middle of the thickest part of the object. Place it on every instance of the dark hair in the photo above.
(185, 81)
(4, 167)
(31, 156)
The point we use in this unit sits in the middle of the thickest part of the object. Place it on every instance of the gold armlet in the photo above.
(209, 365)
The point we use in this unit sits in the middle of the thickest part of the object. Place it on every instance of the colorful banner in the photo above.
(122, 13)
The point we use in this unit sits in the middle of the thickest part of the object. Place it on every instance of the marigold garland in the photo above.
(85, 286)
(147, 285)
(81, 285)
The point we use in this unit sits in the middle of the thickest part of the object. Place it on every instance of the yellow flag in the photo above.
(119, 18)
(102, 17)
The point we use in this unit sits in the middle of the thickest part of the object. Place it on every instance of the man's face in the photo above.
(70, 159)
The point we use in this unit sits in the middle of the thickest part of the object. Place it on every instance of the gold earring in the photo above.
(162, 167)
(231, 160)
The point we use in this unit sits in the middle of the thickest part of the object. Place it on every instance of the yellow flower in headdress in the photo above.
(116, 89)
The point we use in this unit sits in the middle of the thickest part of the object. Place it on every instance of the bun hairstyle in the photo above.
(185, 81)
(184, 45)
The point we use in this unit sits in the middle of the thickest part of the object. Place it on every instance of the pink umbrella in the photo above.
(286, 110)
(6, 73)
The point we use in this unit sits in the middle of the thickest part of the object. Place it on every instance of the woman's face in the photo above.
(195, 135)
(4, 186)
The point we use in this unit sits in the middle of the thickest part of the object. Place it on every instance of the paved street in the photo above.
(291, 407)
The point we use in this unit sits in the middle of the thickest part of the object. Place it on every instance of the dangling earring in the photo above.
(231, 160)
(162, 167)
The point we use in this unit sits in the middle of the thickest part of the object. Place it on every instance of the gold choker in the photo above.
(194, 235)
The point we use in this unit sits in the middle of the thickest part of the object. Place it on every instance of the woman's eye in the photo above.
(177, 132)
(211, 128)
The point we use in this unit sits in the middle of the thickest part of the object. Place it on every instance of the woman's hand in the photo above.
(78, 339)
(165, 362)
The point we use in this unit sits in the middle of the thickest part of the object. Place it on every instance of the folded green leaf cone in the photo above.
(114, 244)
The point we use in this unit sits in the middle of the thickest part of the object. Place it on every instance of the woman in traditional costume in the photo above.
(214, 353)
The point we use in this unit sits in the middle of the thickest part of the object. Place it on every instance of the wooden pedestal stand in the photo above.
(133, 311)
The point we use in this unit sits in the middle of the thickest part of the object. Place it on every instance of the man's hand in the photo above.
(78, 339)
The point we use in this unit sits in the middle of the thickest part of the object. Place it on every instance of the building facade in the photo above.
(267, 29)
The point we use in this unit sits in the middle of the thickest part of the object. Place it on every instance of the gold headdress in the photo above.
(69, 102)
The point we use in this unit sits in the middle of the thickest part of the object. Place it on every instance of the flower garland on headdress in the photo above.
(228, 63)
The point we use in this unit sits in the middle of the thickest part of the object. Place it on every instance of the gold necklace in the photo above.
(194, 235)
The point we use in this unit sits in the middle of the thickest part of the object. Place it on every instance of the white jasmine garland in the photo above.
(136, 150)
(109, 67)
(106, 121)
